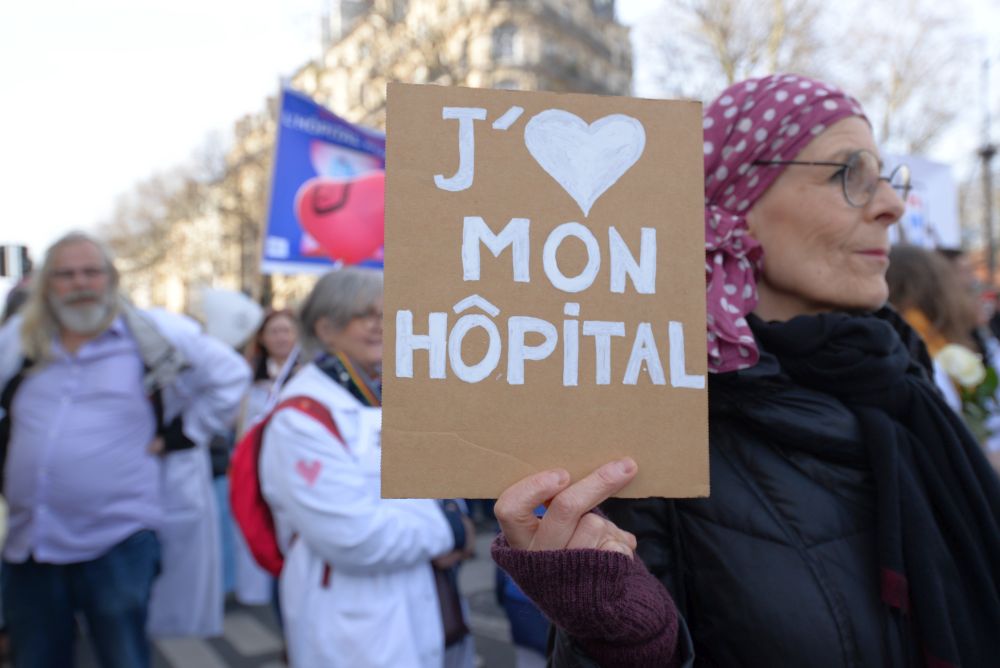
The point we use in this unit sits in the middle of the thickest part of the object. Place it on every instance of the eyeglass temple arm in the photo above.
(800, 162)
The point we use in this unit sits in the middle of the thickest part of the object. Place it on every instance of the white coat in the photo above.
(187, 595)
(379, 608)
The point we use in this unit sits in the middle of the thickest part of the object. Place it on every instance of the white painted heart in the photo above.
(584, 159)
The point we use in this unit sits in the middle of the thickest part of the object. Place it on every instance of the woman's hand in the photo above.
(568, 522)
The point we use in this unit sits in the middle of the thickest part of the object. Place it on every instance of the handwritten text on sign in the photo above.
(544, 291)
(586, 160)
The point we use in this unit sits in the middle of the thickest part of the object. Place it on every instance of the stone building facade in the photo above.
(554, 45)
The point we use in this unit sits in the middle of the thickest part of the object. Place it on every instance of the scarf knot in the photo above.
(859, 359)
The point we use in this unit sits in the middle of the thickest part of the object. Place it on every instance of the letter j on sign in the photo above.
(544, 291)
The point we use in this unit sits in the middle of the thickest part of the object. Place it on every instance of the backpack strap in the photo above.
(6, 401)
(313, 409)
(7, 395)
(162, 363)
(321, 414)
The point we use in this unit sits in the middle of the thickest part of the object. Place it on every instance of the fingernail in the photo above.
(558, 477)
(626, 465)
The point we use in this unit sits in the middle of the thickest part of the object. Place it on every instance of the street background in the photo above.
(252, 638)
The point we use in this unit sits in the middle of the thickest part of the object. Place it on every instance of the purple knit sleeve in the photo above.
(610, 604)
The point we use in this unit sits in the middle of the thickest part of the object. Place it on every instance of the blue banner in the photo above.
(327, 191)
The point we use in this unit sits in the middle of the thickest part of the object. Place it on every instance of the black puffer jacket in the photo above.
(778, 566)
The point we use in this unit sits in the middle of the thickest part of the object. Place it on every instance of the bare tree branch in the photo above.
(903, 58)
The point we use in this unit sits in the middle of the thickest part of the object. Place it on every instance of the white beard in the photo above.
(82, 318)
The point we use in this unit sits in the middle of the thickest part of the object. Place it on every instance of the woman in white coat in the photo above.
(357, 588)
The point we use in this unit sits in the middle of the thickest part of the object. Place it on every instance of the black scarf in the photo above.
(938, 499)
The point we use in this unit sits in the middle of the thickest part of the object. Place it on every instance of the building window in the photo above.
(551, 49)
(506, 45)
(604, 9)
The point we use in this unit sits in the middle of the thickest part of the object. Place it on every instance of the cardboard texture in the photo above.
(498, 413)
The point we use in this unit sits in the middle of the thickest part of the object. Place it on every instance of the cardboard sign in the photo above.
(544, 291)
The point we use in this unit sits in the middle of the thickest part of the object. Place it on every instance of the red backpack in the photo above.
(250, 510)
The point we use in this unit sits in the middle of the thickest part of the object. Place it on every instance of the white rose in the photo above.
(962, 365)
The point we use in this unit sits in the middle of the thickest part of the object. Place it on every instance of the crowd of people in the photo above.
(854, 517)
(110, 415)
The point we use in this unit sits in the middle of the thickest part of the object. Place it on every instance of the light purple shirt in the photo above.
(79, 476)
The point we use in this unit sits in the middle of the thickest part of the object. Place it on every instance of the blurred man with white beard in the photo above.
(106, 413)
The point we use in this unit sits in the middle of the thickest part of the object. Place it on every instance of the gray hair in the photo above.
(338, 296)
(39, 324)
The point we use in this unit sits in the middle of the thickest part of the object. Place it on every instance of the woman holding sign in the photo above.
(358, 587)
(853, 520)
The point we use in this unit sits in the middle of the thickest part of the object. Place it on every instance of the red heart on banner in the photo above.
(346, 217)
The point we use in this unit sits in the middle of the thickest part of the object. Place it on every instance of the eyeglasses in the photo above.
(859, 176)
(89, 273)
(370, 317)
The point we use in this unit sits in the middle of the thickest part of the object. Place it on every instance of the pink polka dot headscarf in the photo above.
(772, 118)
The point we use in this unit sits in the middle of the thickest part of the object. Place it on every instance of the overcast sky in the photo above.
(97, 95)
